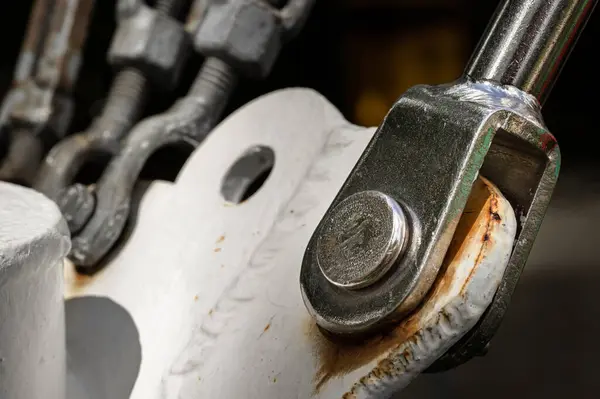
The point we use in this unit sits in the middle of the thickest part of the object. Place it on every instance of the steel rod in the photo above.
(528, 41)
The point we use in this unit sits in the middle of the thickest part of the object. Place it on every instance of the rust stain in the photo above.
(217, 249)
(481, 210)
(490, 217)
(338, 357)
(220, 239)
(267, 327)
(75, 282)
(80, 281)
(195, 297)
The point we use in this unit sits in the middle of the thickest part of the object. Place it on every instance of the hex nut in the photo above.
(246, 34)
(152, 42)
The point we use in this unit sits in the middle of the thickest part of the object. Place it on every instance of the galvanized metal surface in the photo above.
(188, 122)
(152, 41)
(33, 242)
(248, 34)
(38, 108)
(128, 93)
(213, 289)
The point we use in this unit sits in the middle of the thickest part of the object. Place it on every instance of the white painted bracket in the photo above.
(212, 287)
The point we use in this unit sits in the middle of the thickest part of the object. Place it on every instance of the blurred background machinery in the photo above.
(361, 54)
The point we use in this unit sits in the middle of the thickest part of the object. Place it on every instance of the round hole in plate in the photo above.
(247, 175)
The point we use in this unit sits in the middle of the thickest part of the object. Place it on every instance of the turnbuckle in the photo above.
(236, 36)
(145, 62)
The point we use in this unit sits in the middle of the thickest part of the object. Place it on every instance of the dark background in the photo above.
(362, 55)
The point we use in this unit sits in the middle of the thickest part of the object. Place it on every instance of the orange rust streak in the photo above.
(337, 358)
(220, 239)
(75, 282)
(81, 280)
(490, 217)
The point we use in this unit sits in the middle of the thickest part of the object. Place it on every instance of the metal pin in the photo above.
(361, 240)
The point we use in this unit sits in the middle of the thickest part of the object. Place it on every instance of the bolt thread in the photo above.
(216, 78)
(124, 104)
(128, 92)
(207, 97)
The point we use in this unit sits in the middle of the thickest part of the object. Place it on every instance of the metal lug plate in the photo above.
(426, 155)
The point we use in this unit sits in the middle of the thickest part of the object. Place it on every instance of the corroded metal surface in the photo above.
(469, 277)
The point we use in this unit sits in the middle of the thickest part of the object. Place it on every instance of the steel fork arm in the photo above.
(489, 123)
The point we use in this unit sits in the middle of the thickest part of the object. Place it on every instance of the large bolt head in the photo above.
(361, 240)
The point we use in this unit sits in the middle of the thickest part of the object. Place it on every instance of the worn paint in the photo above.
(260, 279)
(337, 357)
